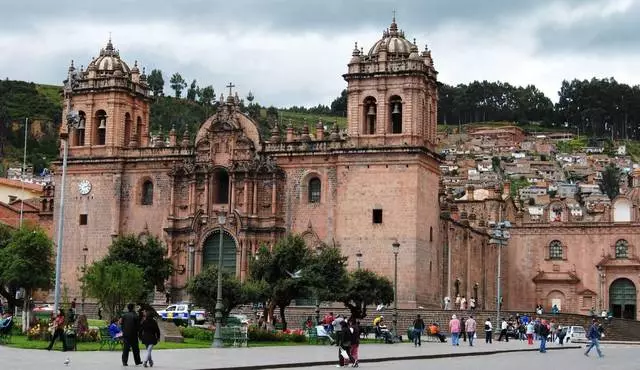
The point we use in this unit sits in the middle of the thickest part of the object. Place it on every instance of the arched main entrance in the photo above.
(622, 299)
(210, 251)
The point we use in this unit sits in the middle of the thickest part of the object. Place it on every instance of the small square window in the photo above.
(83, 219)
(377, 216)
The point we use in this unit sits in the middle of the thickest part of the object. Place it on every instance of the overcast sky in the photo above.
(293, 52)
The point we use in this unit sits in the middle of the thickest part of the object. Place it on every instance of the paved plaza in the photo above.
(304, 356)
(618, 357)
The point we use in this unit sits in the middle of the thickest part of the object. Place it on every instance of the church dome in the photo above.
(393, 42)
(109, 62)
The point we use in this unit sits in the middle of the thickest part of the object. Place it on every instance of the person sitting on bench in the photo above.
(434, 330)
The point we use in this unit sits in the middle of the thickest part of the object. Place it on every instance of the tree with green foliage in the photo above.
(146, 252)
(156, 82)
(610, 183)
(282, 270)
(339, 104)
(365, 288)
(193, 91)
(326, 273)
(26, 261)
(517, 184)
(203, 289)
(177, 84)
(207, 95)
(113, 284)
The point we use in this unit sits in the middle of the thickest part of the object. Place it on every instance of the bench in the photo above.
(107, 340)
(235, 336)
(313, 335)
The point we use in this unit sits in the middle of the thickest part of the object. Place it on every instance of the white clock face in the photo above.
(84, 187)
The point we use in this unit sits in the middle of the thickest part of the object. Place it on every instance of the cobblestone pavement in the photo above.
(266, 357)
(618, 357)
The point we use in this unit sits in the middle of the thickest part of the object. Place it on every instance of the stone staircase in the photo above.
(169, 332)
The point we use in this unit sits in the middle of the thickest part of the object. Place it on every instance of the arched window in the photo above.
(101, 128)
(395, 109)
(315, 187)
(556, 251)
(127, 129)
(370, 115)
(147, 193)
(221, 187)
(78, 139)
(622, 249)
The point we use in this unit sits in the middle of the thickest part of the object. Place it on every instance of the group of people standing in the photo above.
(135, 326)
(130, 328)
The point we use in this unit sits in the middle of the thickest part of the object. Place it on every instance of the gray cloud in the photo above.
(282, 15)
(293, 52)
(618, 33)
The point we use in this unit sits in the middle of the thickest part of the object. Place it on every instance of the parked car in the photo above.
(183, 311)
(43, 307)
(575, 334)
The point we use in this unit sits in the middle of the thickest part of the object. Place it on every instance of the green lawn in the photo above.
(21, 341)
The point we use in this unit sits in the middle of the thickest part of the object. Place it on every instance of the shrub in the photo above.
(196, 333)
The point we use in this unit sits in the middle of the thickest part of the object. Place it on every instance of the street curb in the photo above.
(387, 359)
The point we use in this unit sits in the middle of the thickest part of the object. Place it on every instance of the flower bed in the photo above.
(254, 334)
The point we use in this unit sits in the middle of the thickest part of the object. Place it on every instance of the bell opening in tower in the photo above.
(396, 114)
(370, 114)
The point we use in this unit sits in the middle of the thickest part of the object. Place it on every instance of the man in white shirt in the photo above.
(503, 331)
(488, 331)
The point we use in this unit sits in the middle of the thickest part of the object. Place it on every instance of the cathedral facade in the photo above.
(362, 187)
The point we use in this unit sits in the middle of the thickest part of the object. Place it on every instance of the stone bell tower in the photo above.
(392, 93)
(112, 101)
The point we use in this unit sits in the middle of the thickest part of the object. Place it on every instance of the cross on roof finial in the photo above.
(230, 86)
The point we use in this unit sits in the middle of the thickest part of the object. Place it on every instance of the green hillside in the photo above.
(299, 119)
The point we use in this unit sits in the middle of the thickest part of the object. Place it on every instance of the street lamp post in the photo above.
(73, 120)
(84, 271)
(318, 253)
(500, 236)
(396, 250)
(359, 259)
(217, 337)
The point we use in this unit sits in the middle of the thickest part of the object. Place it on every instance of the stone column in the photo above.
(274, 195)
(232, 188)
(254, 205)
(172, 190)
(206, 193)
(245, 200)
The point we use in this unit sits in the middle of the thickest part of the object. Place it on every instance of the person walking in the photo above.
(344, 344)
(503, 331)
(488, 331)
(58, 331)
(355, 341)
(530, 329)
(418, 329)
(594, 336)
(130, 329)
(454, 329)
(543, 333)
(470, 329)
(149, 335)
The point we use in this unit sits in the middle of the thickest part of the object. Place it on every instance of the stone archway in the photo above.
(210, 250)
(623, 299)
(555, 298)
